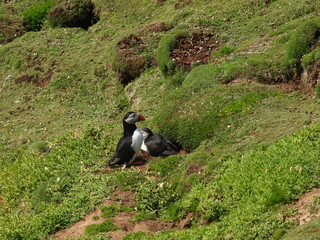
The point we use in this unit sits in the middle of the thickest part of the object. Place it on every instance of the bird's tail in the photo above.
(115, 162)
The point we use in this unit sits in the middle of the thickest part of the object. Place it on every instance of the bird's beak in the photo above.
(141, 117)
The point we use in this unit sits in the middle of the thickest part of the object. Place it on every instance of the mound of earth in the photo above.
(129, 63)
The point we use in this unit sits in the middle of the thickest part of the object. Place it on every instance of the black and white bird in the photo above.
(156, 145)
(129, 145)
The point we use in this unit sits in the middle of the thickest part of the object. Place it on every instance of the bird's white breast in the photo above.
(137, 139)
(144, 148)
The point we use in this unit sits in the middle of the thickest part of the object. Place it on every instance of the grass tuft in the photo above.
(302, 39)
(166, 44)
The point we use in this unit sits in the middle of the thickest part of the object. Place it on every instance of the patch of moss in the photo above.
(302, 39)
(106, 226)
(310, 58)
(166, 44)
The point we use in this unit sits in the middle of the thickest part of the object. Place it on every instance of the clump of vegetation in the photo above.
(301, 41)
(310, 58)
(154, 196)
(75, 13)
(131, 59)
(223, 51)
(34, 17)
(106, 226)
(111, 211)
(318, 90)
(166, 44)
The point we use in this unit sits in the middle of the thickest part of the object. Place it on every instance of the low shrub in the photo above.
(34, 17)
(166, 44)
(302, 39)
(75, 13)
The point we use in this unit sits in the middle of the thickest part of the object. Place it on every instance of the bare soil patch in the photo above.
(156, 27)
(77, 229)
(123, 220)
(306, 209)
(194, 50)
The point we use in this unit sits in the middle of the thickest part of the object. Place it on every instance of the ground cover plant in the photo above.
(246, 118)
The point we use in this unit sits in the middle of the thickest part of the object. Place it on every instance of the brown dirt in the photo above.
(39, 82)
(304, 205)
(196, 49)
(24, 79)
(123, 220)
(156, 27)
(182, 4)
(77, 229)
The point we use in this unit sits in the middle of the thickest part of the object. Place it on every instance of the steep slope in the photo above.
(62, 98)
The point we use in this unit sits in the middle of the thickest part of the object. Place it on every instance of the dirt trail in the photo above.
(307, 209)
(123, 220)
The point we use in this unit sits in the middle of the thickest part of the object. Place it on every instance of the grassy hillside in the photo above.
(247, 117)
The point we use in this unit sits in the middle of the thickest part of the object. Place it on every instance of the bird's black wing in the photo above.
(170, 148)
(123, 154)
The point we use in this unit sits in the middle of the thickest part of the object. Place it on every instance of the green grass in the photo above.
(106, 226)
(308, 231)
(166, 44)
(247, 160)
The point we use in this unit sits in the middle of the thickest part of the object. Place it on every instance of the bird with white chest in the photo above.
(130, 143)
(157, 145)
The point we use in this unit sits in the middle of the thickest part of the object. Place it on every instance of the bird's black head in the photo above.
(132, 117)
(146, 132)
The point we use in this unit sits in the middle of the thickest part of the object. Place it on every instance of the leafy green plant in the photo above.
(34, 17)
(138, 235)
(166, 44)
(111, 211)
(106, 226)
(154, 196)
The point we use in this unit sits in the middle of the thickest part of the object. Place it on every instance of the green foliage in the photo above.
(166, 44)
(310, 58)
(138, 235)
(223, 51)
(203, 76)
(301, 41)
(165, 166)
(106, 226)
(75, 13)
(154, 196)
(318, 90)
(190, 121)
(307, 231)
(34, 17)
(111, 211)
(48, 182)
